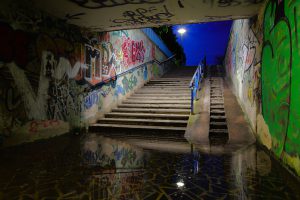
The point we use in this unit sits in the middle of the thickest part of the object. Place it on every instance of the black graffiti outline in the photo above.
(139, 17)
(12, 100)
(98, 4)
(232, 3)
(74, 16)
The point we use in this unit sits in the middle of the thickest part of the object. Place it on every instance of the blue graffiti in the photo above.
(91, 99)
(119, 90)
(124, 155)
(92, 158)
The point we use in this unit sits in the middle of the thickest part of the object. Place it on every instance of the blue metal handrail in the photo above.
(195, 84)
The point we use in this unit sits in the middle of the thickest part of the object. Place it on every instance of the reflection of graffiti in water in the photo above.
(107, 153)
(121, 185)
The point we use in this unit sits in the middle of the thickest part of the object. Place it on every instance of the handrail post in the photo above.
(195, 84)
(192, 99)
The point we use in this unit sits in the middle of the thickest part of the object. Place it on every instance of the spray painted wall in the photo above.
(274, 81)
(243, 62)
(55, 76)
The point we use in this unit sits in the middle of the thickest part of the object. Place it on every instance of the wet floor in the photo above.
(97, 167)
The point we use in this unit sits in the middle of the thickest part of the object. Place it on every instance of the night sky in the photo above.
(208, 39)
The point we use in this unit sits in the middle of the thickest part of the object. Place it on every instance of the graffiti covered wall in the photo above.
(243, 62)
(56, 76)
(274, 82)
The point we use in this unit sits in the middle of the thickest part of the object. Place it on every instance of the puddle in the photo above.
(97, 167)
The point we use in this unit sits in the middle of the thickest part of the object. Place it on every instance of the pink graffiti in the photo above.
(133, 52)
(37, 125)
(138, 51)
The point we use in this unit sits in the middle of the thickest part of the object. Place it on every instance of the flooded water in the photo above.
(97, 167)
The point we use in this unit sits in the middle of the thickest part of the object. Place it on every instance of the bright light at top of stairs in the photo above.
(181, 31)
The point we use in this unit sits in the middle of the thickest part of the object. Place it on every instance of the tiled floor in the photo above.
(94, 167)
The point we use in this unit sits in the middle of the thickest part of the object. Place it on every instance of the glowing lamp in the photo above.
(181, 31)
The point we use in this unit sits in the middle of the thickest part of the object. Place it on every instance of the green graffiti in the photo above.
(129, 84)
(276, 77)
(280, 68)
(293, 136)
(156, 71)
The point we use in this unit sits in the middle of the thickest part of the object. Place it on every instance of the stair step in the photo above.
(183, 86)
(147, 122)
(153, 92)
(147, 110)
(218, 125)
(165, 87)
(182, 102)
(142, 105)
(217, 107)
(158, 98)
(217, 114)
(176, 79)
(130, 128)
(218, 118)
(179, 138)
(147, 115)
(162, 95)
(218, 131)
(216, 91)
(182, 83)
(216, 96)
(169, 90)
(217, 101)
(214, 111)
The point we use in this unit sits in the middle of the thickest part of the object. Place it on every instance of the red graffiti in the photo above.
(14, 45)
(133, 52)
(37, 125)
(152, 51)
(138, 51)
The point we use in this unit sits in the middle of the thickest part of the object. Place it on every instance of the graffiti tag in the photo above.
(97, 4)
(142, 16)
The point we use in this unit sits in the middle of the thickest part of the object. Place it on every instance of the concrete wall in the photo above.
(54, 75)
(263, 62)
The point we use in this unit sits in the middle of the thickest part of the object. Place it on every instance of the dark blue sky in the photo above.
(208, 39)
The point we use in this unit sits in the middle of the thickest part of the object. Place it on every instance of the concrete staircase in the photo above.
(160, 106)
(218, 131)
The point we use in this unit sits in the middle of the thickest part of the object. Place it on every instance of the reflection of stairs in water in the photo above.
(161, 106)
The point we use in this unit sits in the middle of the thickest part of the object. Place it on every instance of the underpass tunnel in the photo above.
(100, 99)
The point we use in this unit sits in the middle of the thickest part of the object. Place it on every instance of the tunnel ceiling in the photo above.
(106, 15)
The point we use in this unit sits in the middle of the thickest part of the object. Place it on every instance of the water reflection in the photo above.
(109, 153)
(117, 167)
(243, 166)
(97, 167)
(120, 184)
